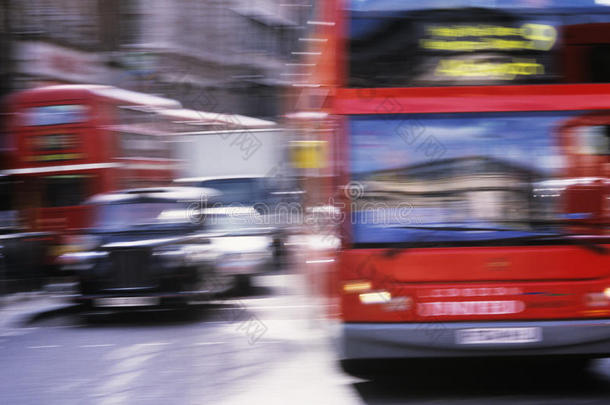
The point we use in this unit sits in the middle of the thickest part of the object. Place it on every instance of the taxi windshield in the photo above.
(122, 215)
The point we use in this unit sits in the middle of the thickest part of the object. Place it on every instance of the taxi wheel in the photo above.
(243, 284)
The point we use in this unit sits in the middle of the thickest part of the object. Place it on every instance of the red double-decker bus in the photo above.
(470, 183)
(66, 143)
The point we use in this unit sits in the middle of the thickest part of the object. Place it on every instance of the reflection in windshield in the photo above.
(124, 215)
(467, 177)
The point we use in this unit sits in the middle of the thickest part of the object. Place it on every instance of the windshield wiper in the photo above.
(454, 228)
(587, 244)
(574, 222)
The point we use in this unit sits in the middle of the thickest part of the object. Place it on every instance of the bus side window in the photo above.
(65, 191)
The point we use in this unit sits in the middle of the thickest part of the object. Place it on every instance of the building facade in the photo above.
(229, 56)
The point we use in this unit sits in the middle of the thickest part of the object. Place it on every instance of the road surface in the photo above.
(267, 348)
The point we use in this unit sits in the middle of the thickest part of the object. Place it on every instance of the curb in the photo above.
(22, 313)
(15, 298)
(66, 309)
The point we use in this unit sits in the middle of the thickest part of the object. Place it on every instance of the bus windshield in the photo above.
(432, 177)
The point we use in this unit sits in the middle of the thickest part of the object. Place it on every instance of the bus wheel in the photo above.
(578, 365)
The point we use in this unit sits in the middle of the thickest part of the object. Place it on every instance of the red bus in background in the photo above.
(470, 186)
(66, 143)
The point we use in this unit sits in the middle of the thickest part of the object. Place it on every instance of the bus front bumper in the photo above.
(473, 339)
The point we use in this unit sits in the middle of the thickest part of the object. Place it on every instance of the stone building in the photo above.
(219, 55)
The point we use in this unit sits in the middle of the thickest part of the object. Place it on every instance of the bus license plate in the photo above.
(481, 336)
(126, 302)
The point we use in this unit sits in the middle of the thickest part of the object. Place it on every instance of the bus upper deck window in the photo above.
(600, 64)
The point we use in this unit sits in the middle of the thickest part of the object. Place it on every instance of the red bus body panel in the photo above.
(421, 100)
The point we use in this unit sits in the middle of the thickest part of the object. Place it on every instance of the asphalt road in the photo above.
(267, 348)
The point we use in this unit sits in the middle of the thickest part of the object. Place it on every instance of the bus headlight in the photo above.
(375, 297)
(357, 286)
(598, 299)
